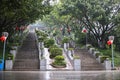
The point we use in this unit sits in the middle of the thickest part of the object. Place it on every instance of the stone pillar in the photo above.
(77, 64)
(13, 52)
(8, 65)
(43, 64)
(69, 53)
(107, 64)
(98, 59)
(95, 53)
(65, 46)
(41, 44)
(91, 50)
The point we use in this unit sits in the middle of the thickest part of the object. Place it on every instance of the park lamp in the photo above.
(111, 38)
(3, 38)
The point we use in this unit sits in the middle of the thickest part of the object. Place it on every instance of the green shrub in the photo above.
(103, 58)
(0, 60)
(70, 48)
(16, 44)
(53, 46)
(55, 52)
(89, 46)
(10, 57)
(41, 39)
(59, 58)
(97, 55)
(55, 33)
(59, 61)
(76, 57)
(41, 33)
(65, 40)
(49, 42)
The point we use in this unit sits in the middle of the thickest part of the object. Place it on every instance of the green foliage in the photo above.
(76, 57)
(59, 58)
(70, 48)
(0, 61)
(65, 40)
(59, 61)
(55, 52)
(41, 33)
(103, 58)
(41, 39)
(19, 13)
(89, 46)
(55, 33)
(96, 16)
(9, 57)
(49, 42)
(53, 46)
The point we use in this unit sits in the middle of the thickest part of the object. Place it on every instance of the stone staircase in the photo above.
(27, 57)
(88, 62)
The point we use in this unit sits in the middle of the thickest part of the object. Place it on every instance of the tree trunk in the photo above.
(101, 44)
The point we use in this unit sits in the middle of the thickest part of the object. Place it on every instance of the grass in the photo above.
(108, 52)
(6, 52)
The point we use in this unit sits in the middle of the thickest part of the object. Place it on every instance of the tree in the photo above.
(98, 16)
(16, 13)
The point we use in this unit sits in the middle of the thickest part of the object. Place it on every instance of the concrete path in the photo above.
(60, 75)
(27, 57)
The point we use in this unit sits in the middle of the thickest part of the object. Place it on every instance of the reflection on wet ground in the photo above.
(60, 75)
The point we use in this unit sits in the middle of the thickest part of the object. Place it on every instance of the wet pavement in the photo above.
(60, 75)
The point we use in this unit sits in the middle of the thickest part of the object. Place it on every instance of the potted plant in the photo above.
(55, 52)
(59, 62)
(49, 42)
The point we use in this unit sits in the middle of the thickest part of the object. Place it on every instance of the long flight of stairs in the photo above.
(88, 62)
(27, 57)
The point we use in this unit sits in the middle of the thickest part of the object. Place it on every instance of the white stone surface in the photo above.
(107, 64)
(95, 53)
(65, 46)
(98, 59)
(70, 54)
(13, 52)
(77, 64)
(91, 50)
(43, 64)
(8, 65)
(49, 61)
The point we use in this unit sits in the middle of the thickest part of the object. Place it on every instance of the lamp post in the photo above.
(84, 30)
(3, 38)
(111, 38)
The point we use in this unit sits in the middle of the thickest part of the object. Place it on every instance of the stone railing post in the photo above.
(77, 64)
(43, 64)
(8, 64)
(107, 64)
(65, 46)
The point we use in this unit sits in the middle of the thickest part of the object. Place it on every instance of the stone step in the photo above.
(24, 69)
(27, 57)
(91, 69)
(26, 63)
(88, 62)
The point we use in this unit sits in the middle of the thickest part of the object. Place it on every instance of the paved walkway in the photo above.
(27, 57)
(58, 75)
